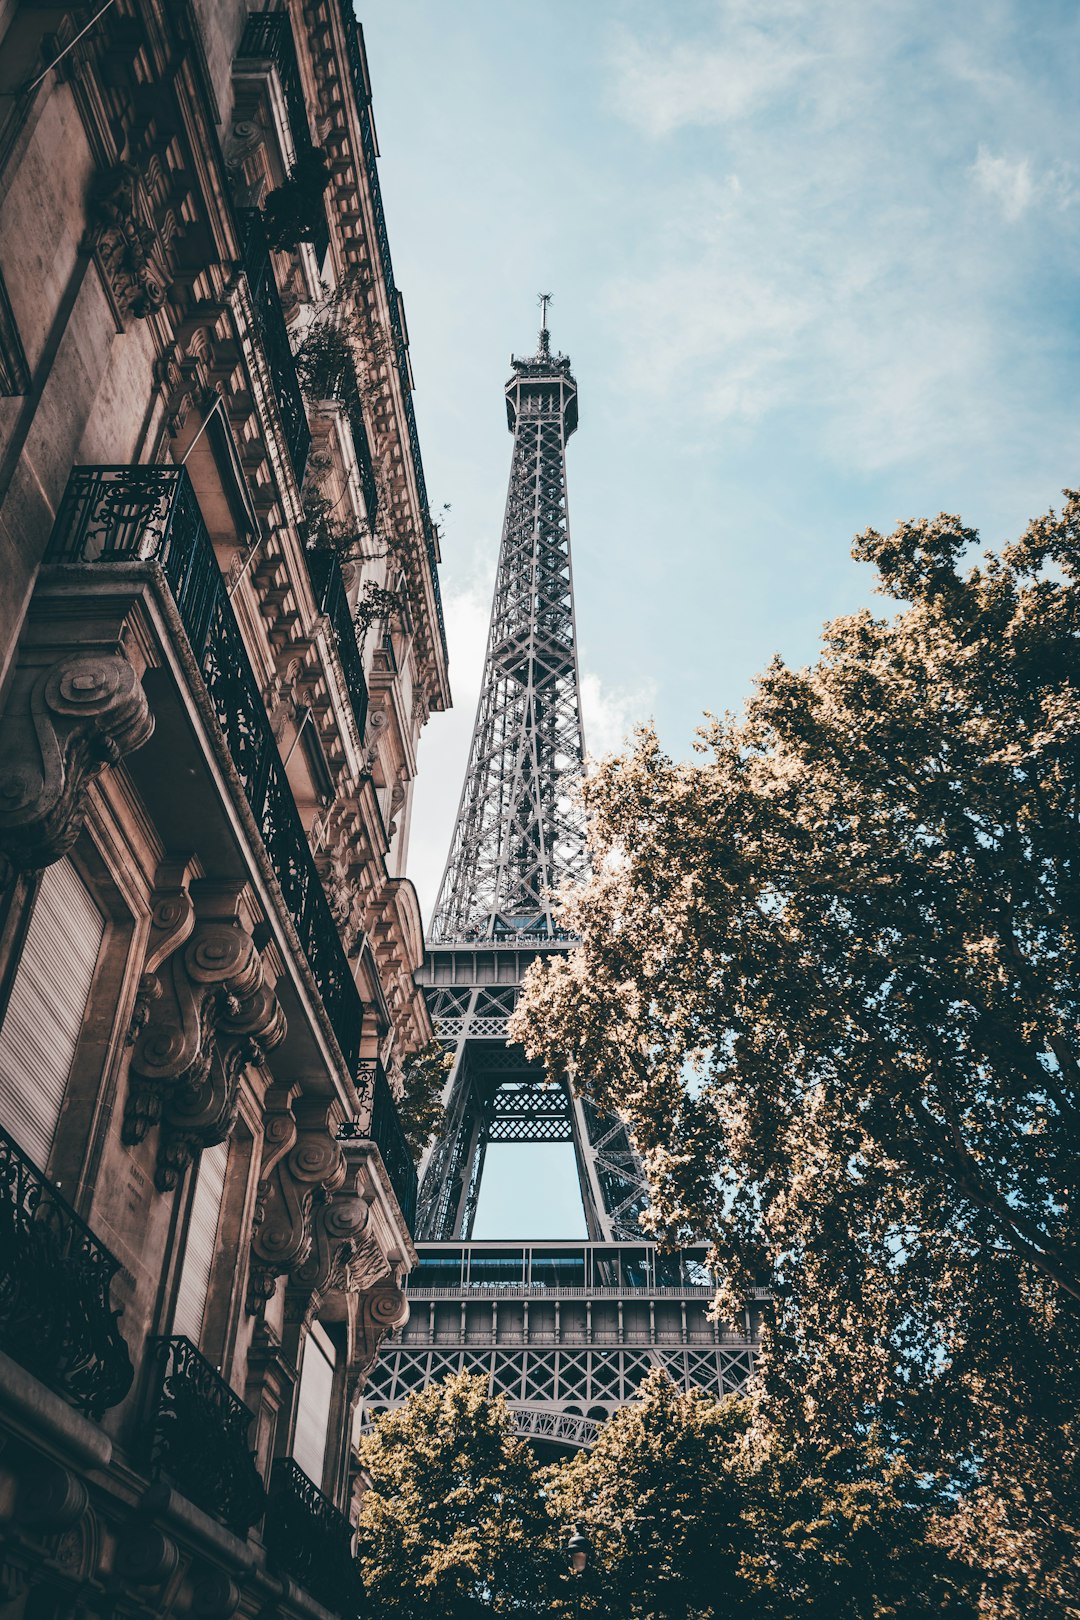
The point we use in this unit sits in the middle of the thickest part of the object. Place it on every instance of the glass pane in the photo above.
(558, 1268)
(488, 1266)
(635, 1268)
(437, 1271)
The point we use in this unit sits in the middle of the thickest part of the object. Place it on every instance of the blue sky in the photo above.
(816, 267)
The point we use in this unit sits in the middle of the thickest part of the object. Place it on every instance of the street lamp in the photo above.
(577, 1552)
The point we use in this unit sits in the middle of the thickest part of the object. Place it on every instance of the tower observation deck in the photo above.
(565, 1330)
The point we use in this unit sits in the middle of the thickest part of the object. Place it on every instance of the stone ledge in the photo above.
(162, 1502)
(47, 1413)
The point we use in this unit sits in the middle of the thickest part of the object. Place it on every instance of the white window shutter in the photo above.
(201, 1244)
(313, 1404)
(47, 1008)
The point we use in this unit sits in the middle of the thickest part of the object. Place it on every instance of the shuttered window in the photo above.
(313, 1405)
(47, 1008)
(201, 1242)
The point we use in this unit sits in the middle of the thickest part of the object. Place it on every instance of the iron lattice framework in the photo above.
(519, 830)
(566, 1340)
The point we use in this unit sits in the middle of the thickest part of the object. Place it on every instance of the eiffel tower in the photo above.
(565, 1330)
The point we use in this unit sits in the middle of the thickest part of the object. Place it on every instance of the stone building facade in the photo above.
(220, 637)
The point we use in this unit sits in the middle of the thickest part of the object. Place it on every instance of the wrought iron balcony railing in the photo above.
(330, 595)
(268, 37)
(308, 1538)
(198, 1437)
(386, 1132)
(397, 328)
(274, 336)
(131, 514)
(56, 1317)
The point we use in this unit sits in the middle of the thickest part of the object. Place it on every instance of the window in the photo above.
(313, 1404)
(558, 1268)
(496, 1267)
(201, 1242)
(437, 1271)
(47, 1009)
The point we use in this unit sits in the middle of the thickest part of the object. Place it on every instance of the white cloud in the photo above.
(852, 273)
(1016, 186)
(662, 89)
(1008, 181)
(609, 714)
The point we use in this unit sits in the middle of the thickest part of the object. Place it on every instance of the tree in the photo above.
(454, 1524)
(660, 1496)
(420, 1108)
(829, 973)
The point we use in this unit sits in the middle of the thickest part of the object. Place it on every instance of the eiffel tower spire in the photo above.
(567, 1329)
(519, 831)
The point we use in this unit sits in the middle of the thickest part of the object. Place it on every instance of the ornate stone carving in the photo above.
(84, 712)
(313, 1217)
(245, 141)
(50, 1497)
(205, 1009)
(123, 239)
(337, 1222)
(301, 1163)
(373, 1314)
(145, 1555)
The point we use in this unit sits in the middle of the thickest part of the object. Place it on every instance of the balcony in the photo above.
(199, 1437)
(56, 1317)
(330, 595)
(386, 1133)
(121, 515)
(274, 336)
(268, 37)
(306, 1537)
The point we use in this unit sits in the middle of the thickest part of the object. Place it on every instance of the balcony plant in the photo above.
(295, 211)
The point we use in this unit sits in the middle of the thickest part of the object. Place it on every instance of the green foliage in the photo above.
(455, 1524)
(660, 1497)
(376, 603)
(327, 532)
(688, 1518)
(295, 212)
(829, 973)
(420, 1108)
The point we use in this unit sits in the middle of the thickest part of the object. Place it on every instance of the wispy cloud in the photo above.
(851, 273)
(1016, 188)
(610, 714)
(663, 90)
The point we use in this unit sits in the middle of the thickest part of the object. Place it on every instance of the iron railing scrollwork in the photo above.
(308, 1538)
(198, 1435)
(56, 1315)
(126, 514)
(384, 1129)
(274, 335)
(397, 329)
(332, 600)
(268, 37)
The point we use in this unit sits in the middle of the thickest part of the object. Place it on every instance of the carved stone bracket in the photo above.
(373, 1314)
(302, 1166)
(63, 725)
(313, 1222)
(205, 1008)
(124, 241)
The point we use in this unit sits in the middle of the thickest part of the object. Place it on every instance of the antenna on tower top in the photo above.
(544, 299)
